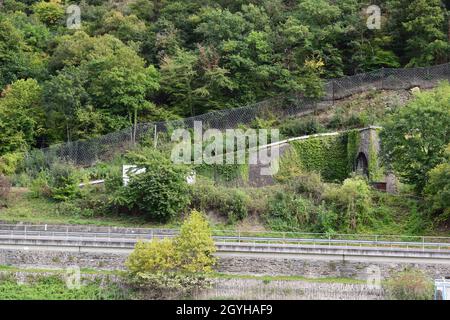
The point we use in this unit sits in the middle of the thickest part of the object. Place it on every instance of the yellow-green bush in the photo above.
(191, 251)
(9, 162)
(153, 256)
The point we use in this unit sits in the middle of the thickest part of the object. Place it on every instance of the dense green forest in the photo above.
(150, 60)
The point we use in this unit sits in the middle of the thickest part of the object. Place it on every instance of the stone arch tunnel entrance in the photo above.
(362, 165)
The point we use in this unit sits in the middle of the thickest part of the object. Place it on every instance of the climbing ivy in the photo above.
(353, 142)
(376, 172)
(327, 155)
(332, 156)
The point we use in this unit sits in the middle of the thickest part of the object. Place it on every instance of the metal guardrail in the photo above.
(115, 235)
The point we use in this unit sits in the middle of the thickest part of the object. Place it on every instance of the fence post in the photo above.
(332, 90)
(382, 77)
(155, 137)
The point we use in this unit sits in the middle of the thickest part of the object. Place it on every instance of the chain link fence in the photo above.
(88, 152)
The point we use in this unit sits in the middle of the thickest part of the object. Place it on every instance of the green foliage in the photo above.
(327, 155)
(226, 174)
(140, 60)
(297, 127)
(191, 251)
(99, 78)
(353, 141)
(415, 137)
(39, 186)
(427, 40)
(9, 162)
(195, 245)
(49, 13)
(288, 211)
(410, 285)
(152, 257)
(230, 202)
(175, 264)
(310, 184)
(352, 200)
(20, 116)
(54, 288)
(437, 190)
(73, 210)
(290, 167)
(161, 193)
(14, 60)
(64, 182)
(5, 189)
(113, 180)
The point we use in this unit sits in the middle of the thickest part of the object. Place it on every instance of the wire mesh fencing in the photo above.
(91, 151)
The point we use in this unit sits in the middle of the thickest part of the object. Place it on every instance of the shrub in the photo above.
(73, 209)
(49, 13)
(352, 200)
(194, 245)
(230, 202)
(415, 137)
(64, 180)
(9, 162)
(301, 126)
(21, 180)
(39, 186)
(437, 190)
(310, 184)
(191, 251)
(410, 285)
(160, 193)
(167, 285)
(113, 180)
(5, 189)
(153, 256)
(174, 266)
(290, 212)
(235, 204)
(290, 166)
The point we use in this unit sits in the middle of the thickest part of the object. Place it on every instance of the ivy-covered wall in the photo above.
(327, 155)
(334, 157)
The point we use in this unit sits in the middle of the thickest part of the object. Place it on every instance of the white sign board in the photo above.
(128, 170)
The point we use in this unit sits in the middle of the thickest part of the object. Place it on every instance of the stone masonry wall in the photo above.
(228, 264)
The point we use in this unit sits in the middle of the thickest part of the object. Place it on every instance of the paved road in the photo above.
(122, 240)
(115, 236)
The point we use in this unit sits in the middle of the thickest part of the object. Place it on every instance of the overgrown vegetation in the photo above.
(410, 285)
(140, 60)
(174, 266)
(55, 288)
(160, 193)
(416, 142)
(137, 62)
